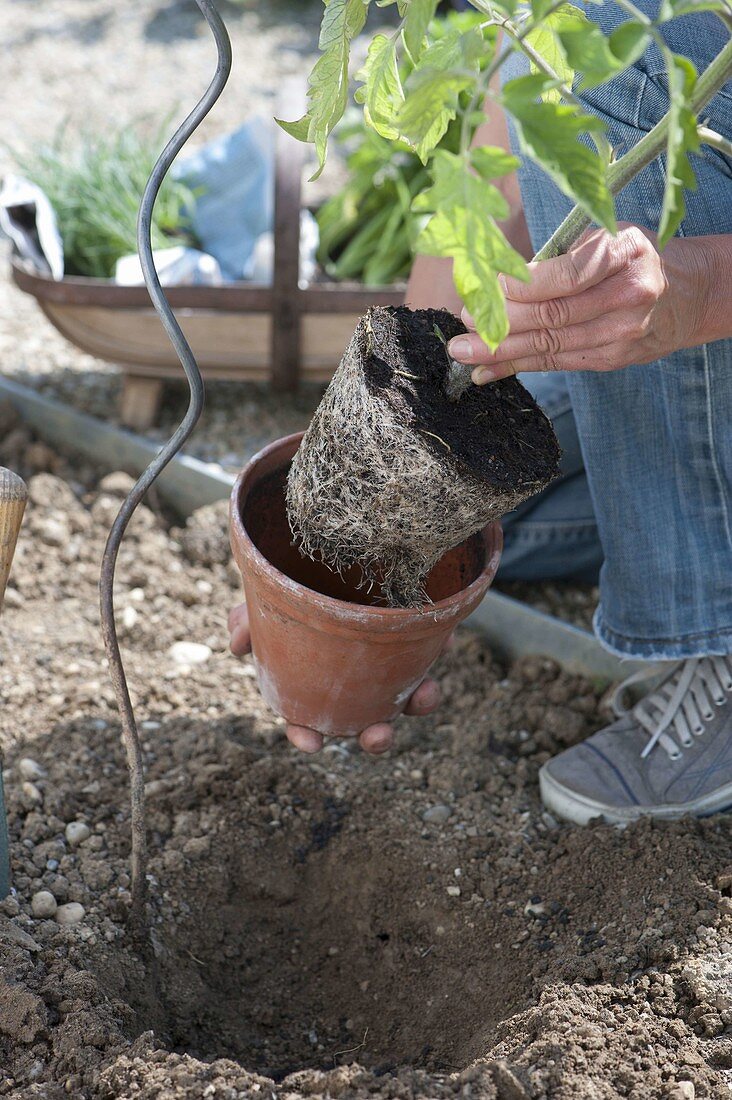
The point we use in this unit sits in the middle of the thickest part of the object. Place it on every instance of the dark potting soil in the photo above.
(265, 520)
(497, 431)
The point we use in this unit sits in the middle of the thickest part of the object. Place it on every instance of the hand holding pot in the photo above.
(375, 739)
(608, 303)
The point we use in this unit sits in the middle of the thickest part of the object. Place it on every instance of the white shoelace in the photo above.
(684, 702)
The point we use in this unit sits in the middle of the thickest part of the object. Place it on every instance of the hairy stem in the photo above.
(717, 141)
(648, 148)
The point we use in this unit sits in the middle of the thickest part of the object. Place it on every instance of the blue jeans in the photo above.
(646, 492)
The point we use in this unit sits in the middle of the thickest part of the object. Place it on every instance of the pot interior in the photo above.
(264, 515)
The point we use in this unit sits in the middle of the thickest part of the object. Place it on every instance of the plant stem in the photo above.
(601, 143)
(648, 148)
(717, 141)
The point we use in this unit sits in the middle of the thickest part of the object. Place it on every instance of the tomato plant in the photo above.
(451, 78)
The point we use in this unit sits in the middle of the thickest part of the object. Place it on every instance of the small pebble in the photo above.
(32, 793)
(189, 653)
(534, 908)
(71, 913)
(76, 832)
(129, 617)
(437, 815)
(454, 891)
(44, 904)
(30, 769)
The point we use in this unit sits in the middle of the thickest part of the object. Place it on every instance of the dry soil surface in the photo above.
(329, 926)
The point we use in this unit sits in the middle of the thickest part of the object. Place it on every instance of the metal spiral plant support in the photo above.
(130, 733)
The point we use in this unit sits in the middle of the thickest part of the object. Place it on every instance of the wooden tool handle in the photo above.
(13, 495)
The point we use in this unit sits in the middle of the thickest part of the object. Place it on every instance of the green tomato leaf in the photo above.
(455, 185)
(479, 252)
(382, 93)
(682, 140)
(490, 162)
(544, 38)
(588, 50)
(328, 83)
(445, 69)
(464, 228)
(299, 130)
(549, 133)
(628, 42)
(418, 17)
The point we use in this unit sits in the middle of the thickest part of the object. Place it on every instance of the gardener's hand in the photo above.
(375, 739)
(611, 301)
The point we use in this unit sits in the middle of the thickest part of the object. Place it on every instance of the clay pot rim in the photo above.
(491, 535)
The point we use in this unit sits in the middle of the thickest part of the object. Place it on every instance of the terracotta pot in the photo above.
(326, 655)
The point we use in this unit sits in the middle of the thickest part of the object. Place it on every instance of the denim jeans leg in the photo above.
(656, 438)
(554, 534)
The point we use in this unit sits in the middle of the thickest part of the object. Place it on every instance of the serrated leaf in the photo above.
(464, 228)
(491, 162)
(682, 140)
(418, 17)
(433, 88)
(430, 106)
(588, 51)
(455, 185)
(549, 134)
(629, 41)
(328, 82)
(479, 252)
(382, 93)
(544, 38)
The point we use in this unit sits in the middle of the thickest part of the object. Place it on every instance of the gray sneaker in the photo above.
(670, 754)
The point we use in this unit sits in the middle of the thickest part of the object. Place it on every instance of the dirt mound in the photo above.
(331, 926)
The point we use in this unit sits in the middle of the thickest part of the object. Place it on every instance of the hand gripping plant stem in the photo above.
(130, 733)
(621, 172)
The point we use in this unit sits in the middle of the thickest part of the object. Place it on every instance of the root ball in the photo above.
(392, 473)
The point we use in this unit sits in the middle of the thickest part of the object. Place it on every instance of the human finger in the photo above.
(305, 739)
(377, 739)
(550, 342)
(425, 699)
(593, 359)
(596, 257)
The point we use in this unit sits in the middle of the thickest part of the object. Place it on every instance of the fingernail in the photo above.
(461, 349)
(480, 377)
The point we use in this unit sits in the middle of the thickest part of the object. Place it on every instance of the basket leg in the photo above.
(140, 401)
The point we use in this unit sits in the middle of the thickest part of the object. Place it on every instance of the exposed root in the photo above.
(369, 488)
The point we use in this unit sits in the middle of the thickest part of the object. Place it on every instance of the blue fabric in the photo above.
(235, 177)
(656, 439)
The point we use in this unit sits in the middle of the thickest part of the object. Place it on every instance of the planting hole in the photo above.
(314, 950)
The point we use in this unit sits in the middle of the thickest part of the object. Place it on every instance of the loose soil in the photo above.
(328, 926)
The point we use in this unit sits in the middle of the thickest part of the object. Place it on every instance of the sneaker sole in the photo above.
(571, 806)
